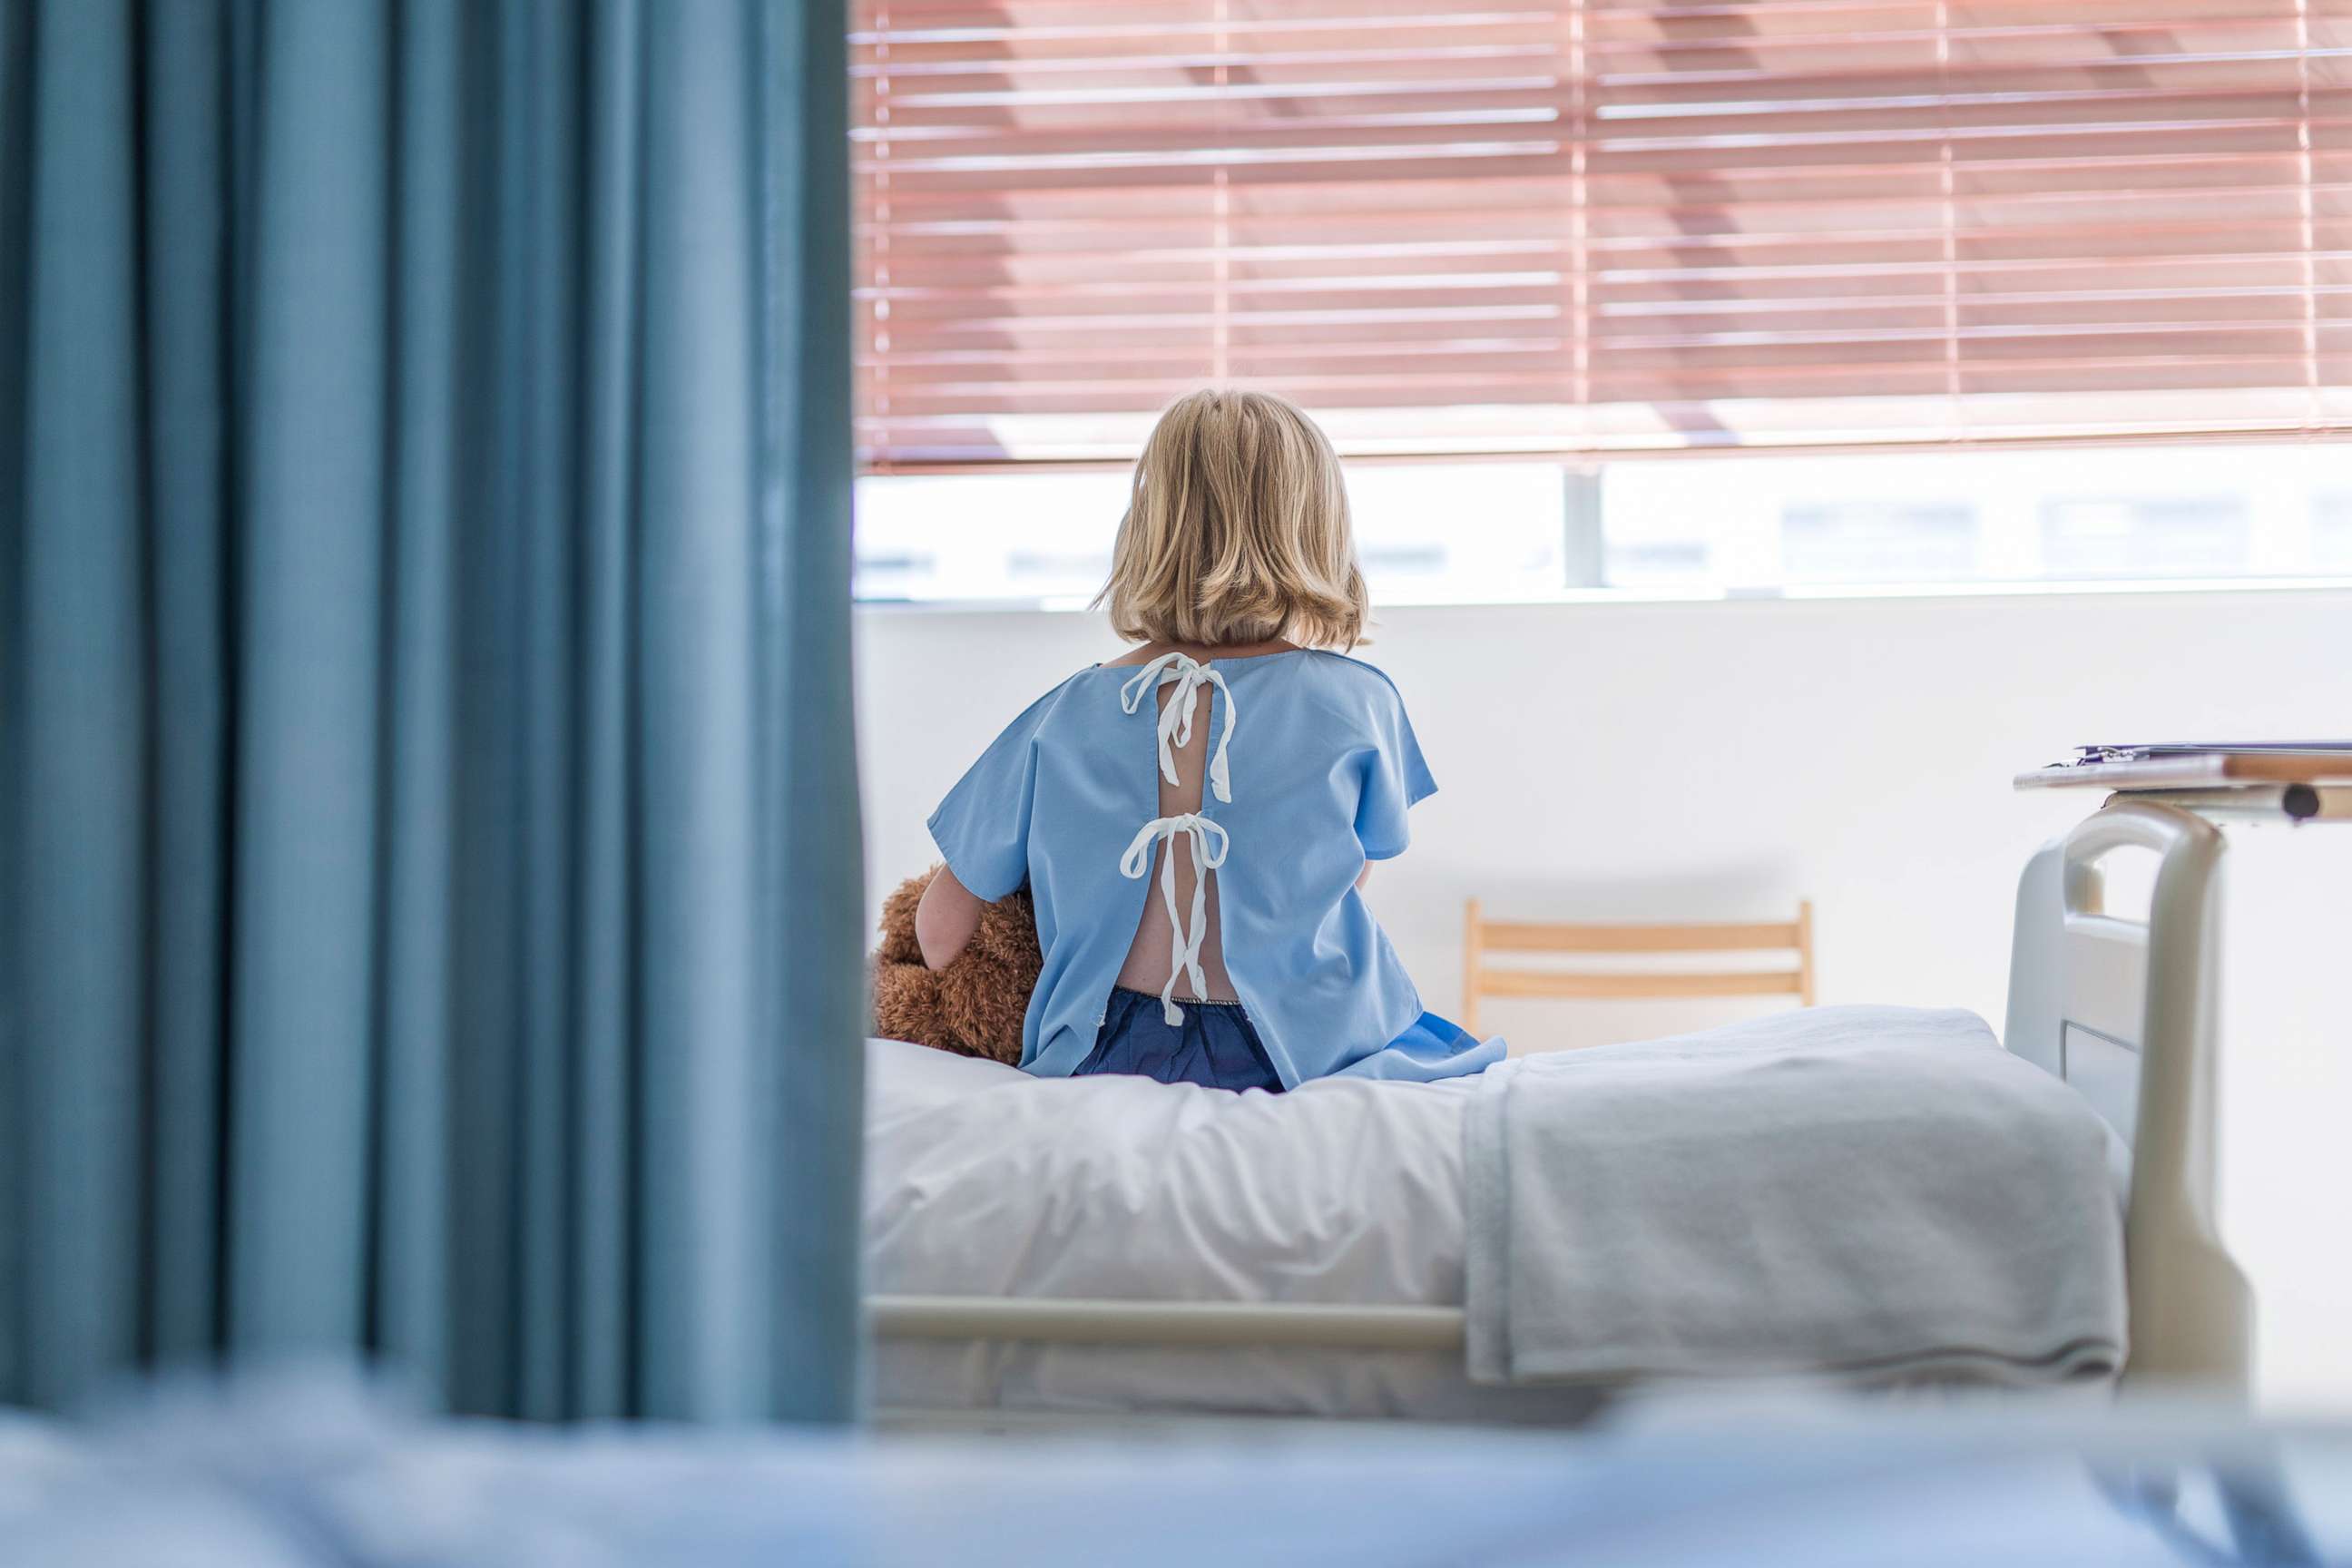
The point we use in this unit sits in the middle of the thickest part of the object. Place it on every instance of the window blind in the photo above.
(1455, 228)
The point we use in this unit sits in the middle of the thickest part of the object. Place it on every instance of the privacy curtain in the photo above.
(427, 818)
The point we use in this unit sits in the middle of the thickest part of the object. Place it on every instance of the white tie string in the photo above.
(1184, 950)
(1189, 675)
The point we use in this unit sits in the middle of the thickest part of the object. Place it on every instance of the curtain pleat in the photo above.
(188, 434)
(16, 1083)
(811, 772)
(697, 451)
(604, 1257)
(310, 584)
(80, 745)
(427, 809)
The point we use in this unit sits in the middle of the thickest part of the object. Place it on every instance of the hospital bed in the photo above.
(2120, 1008)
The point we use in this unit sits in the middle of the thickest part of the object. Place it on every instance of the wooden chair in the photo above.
(1481, 937)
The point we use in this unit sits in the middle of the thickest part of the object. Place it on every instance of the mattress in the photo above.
(983, 1181)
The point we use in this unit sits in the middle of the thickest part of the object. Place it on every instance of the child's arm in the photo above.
(945, 919)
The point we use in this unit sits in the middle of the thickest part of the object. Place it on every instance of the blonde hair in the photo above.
(1236, 531)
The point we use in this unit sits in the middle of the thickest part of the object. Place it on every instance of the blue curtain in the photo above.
(428, 825)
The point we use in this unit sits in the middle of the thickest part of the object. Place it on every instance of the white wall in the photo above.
(1719, 760)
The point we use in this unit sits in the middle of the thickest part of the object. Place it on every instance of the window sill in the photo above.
(2038, 589)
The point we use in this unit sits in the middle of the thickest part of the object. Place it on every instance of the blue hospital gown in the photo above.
(1312, 767)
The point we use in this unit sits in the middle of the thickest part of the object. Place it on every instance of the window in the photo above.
(1908, 538)
(2331, 533)
(2146, 536)
(1982, 518)
(1438, 533)
(1557, 236)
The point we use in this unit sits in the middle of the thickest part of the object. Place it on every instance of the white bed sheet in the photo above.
(983, 1181)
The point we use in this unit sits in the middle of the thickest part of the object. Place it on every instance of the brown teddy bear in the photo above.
(973, 1006)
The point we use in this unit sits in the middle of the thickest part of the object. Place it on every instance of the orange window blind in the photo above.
(1600, 229)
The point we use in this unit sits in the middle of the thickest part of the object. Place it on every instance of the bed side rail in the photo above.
(2125, 1011)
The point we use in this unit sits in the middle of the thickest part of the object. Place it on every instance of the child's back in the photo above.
(1151, 963)
(1193, 820)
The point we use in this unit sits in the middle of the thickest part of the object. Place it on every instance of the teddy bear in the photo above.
(974, 1006)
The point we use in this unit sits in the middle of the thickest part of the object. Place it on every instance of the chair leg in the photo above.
(1473, 959)
(1805, 951)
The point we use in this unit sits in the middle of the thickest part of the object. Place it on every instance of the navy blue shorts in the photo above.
(1215, 1045)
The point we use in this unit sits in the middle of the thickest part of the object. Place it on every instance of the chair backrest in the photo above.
(1481, 938)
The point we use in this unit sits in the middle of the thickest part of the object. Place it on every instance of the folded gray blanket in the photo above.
(1877, 1192)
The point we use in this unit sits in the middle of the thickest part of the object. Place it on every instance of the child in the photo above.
(1258, 965)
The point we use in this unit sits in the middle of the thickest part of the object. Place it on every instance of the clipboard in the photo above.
(2175, 765)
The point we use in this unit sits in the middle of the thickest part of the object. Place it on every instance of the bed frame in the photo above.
(2121, 1009)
